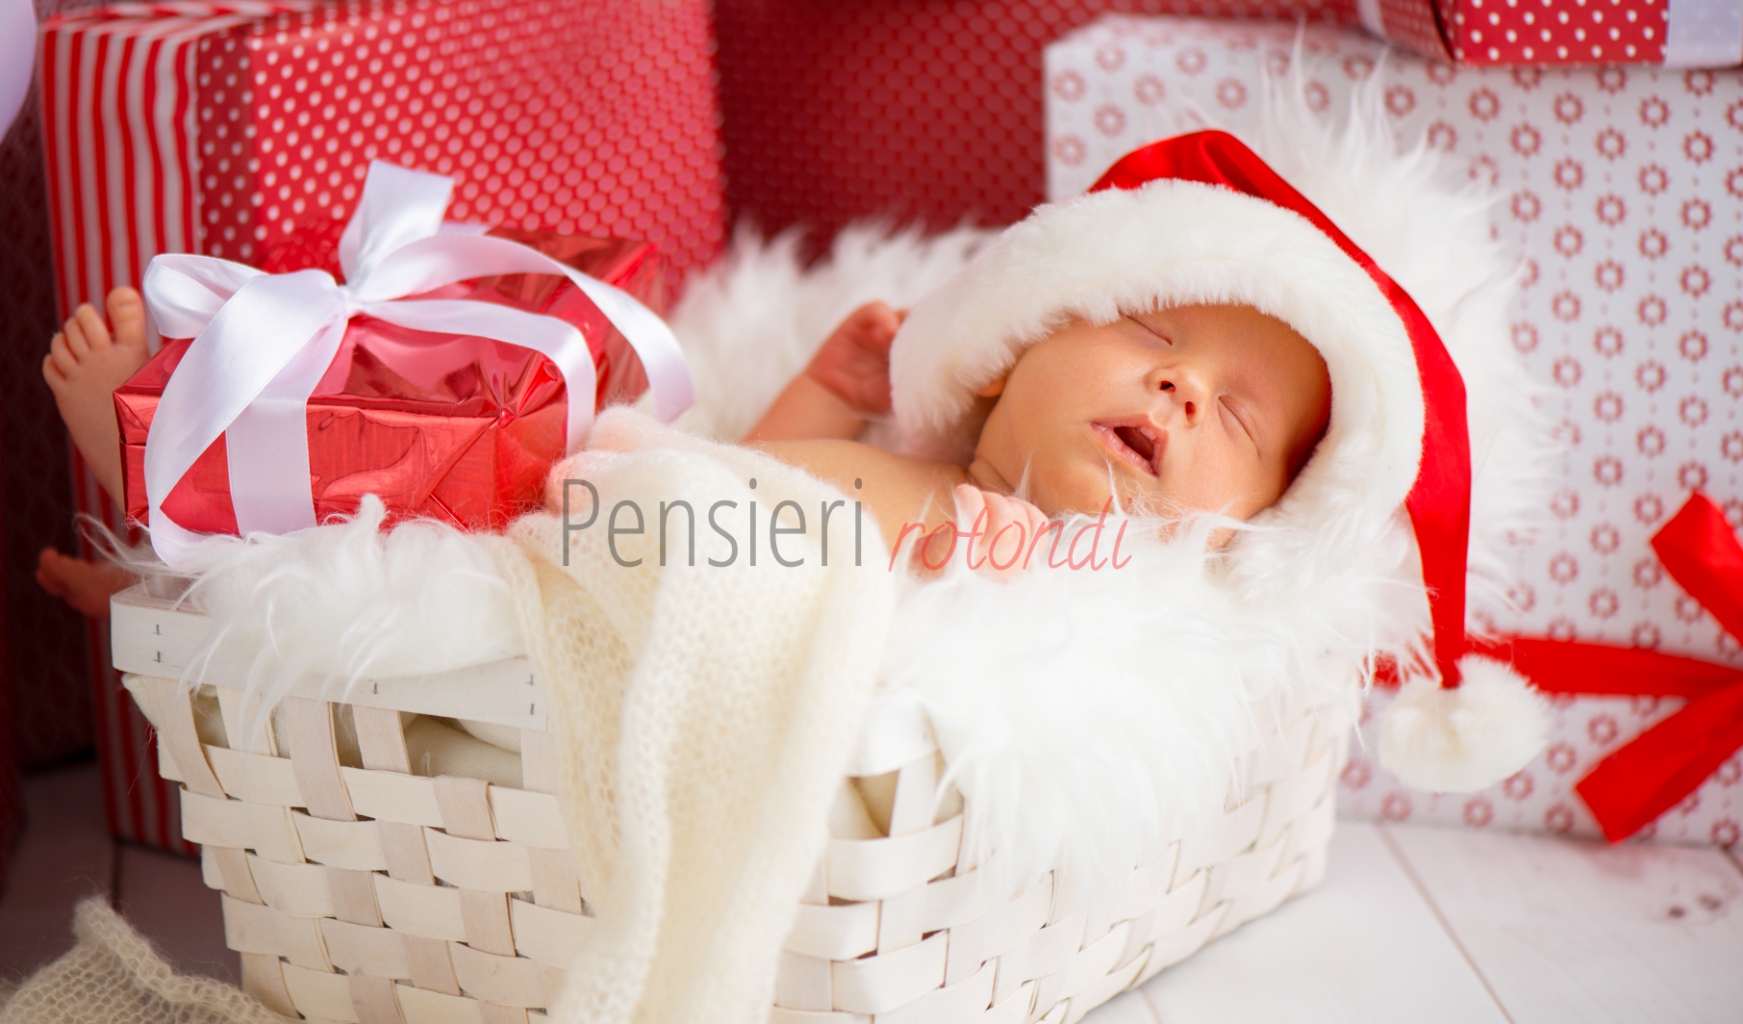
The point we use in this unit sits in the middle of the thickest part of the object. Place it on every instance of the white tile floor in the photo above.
(65, 855)
(1412, 926)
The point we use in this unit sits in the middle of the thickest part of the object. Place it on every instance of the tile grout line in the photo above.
(1410, 872)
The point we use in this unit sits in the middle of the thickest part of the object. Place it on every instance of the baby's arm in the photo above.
(814, 421)
(911, 500)
(899, 492)
(847, 382)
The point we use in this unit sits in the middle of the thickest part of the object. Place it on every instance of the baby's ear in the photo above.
(993, 389)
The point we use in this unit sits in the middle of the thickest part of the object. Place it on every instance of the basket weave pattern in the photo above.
(367, 893)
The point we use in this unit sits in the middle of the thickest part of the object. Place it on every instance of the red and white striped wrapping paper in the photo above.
(1622, 188)
(243, 130)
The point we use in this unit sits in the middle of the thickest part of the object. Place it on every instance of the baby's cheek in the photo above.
(1256, 489)
(1213, 481)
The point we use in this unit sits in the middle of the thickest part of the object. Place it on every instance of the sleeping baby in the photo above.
(1186, 408)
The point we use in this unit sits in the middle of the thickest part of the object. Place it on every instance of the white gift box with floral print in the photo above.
(1622, 188)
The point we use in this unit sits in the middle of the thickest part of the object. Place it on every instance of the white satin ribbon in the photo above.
(262, 343)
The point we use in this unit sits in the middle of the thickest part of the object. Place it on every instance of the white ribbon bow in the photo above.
(263, 341)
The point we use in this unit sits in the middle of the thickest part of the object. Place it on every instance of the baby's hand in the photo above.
(995, 530)
(854, 361)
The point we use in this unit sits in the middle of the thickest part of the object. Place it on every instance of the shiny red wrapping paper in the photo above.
(451, 427)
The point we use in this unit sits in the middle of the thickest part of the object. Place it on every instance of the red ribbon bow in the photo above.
(1663, 765)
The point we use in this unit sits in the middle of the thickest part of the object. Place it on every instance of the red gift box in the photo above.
(451, 427)
(1498, 32)
(836, 112)
(244, 129)
(241, 129)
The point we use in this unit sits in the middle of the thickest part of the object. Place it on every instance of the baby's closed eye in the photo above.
(1240, 419)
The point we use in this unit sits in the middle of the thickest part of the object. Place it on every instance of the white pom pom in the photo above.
(1456, 741)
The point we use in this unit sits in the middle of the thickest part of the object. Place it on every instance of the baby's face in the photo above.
(1193, 407)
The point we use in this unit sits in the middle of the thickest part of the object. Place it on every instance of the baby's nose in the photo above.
(1183, 395)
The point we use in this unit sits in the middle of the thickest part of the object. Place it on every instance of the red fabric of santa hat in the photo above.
(1200, 218)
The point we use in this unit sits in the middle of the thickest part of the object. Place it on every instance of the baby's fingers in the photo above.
(1037, 518)
(971, 508)
(1008, 530)
(879, 328)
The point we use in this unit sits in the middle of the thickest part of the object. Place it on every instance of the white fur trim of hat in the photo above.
(1171, 242)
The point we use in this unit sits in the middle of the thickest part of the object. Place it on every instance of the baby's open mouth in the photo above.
(1135, 442)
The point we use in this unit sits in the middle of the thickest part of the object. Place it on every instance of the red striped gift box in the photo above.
(244, 129)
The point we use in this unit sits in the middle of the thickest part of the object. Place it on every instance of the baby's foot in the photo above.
(84, 366)
(85, 586)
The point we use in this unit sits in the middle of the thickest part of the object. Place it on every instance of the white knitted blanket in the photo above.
(114, 976)
(704, 714)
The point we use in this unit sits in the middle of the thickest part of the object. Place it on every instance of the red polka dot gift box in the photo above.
(244, 130)
(1621, 188)
(1683, 34)
(908, 110)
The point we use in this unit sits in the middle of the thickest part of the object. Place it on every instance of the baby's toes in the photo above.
(127, 313)
(59, 363)
(91, 325)
(72, 336)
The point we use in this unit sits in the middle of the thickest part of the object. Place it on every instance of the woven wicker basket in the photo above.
(358, 890)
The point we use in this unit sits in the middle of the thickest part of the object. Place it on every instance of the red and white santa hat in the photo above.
(1199, 219)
